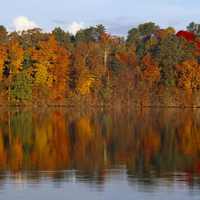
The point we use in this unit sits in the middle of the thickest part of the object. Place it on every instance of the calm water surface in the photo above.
(71, 153)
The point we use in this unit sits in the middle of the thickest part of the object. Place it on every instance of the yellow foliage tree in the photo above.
(84, 83)
(3, 58)
(188, 75)
(44, 57)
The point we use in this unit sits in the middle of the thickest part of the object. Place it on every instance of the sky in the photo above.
(118, 16)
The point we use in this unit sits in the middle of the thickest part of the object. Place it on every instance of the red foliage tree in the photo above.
(187, 35)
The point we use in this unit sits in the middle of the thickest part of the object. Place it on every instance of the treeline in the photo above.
(150, 67)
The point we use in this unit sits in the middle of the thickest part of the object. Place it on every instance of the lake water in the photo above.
(112, 153)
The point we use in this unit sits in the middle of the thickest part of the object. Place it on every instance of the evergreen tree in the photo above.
(3, 35)
(63, 38)
(22, 87)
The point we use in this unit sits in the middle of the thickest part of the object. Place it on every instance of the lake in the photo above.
(99, 153)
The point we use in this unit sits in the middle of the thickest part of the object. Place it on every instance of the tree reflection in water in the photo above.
(96, 145)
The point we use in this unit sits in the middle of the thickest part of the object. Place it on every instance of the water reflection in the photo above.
(148, 148)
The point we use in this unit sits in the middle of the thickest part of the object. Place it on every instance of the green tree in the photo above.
(3, 35)
(91, 34)
(28, 39)
(170, 52)
(133, 39)
(15, 62)
(194, 29)
(79, 37)
(148, 29)
(63, 38)
(22, 87)
(99, 30)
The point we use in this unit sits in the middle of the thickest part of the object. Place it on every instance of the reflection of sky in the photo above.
(106, 178)
(116, 186)
(118, 16)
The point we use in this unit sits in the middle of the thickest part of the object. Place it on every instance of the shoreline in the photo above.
(98, 106)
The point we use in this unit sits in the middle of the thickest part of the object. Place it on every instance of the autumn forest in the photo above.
(149, 67)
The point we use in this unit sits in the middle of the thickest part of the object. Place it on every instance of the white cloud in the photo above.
(22, 23)
(74, 27)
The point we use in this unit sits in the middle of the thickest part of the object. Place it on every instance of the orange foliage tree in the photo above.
(162, 33)
(188, 75)
(50, 67)
(15, 61)
(3, 58)
(43, 57)
(61, 70)
(151, 70)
